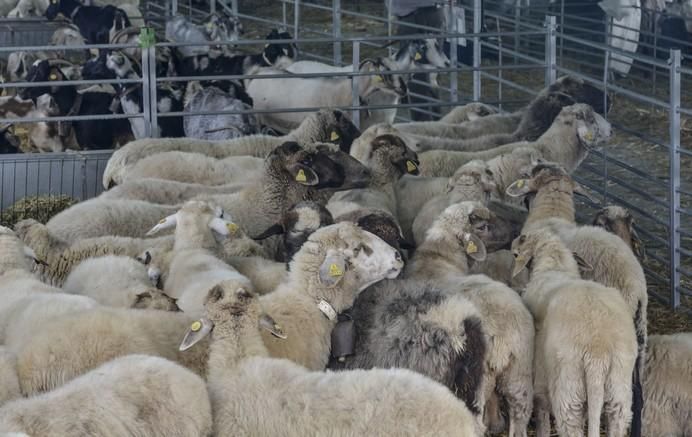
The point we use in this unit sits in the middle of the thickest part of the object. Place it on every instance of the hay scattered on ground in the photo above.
(40, 208)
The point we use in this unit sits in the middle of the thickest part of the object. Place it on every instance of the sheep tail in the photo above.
(595, 394)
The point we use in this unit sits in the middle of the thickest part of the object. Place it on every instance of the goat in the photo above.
(95, 23)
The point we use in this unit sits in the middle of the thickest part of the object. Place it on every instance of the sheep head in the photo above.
(14, 255)
(197, 218)
(541, 250)
(581, 92)
(386, 154)
(230, 309)
(338, 261)
(154, 299)
(334, 127)
(382, 224)
(473, 174)
(620, 222)
(546, 176)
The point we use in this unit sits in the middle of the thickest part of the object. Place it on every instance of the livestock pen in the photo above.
(501, 55)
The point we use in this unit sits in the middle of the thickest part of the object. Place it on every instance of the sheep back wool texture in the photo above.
(143, 395)
(167, 192)
(49, 358)
(9, 384)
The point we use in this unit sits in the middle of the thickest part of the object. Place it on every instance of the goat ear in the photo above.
(304, 175)
(332, 269)
(474, 247)
(520, 263)
(197, 331)
(584, 266)
(518, 188)
(165, 223)
(275, 229)
(578, 189)
(267, 323)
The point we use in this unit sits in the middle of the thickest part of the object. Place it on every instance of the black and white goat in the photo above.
(217, 28)
(96, 24)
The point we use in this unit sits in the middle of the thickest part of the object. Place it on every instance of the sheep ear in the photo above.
(637, 244)
(518, 188)
(197, 331)
(474, 247)
(144, 258)
(304, 175)
(332, 269)
(275, 229)
(29, 253)
(584, 266)
(267, 323)
(578, 189)
(168, 222)
(520, 263)
(405, 244)
(141, 300)
(222, 227)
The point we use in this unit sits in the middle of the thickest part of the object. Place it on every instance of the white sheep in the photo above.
(620, 222)
(9, 384)
(167, 192)
(667, 386)
(136, 394)
(446, 126)
(568, 140)
(117, 281)
(586, 344)
(324, 126)
(249, 394)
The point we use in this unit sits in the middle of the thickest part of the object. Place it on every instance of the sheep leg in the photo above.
(567, 394)
(519, 411)
(541, 400)
(618, 406)
(595, 394)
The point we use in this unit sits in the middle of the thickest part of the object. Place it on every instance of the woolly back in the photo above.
(12, 255)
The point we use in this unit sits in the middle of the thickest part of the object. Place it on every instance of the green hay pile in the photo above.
(40, 208)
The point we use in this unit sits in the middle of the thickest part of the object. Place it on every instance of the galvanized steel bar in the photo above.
(477, 24)
(152, 90)
(674, 177)
(296, 18)
(550, 49)
(453, 44)
(355, 96)
(234, 7)
(146, 96)
(336, 29)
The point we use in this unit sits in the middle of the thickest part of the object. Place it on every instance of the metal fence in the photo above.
(510, 54)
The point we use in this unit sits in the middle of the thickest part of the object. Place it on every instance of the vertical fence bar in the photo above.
(390, 17)
(146, 83)
(550, 49)
(674, 117)
(477, 21)
(355, 96)
(336, 31)
(453, 45)
(212, 6)
(234, 7)
(152, 91)
(284, 16)
(174, 7)
(296, 17)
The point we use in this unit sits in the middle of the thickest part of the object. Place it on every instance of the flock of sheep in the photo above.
(422, 279)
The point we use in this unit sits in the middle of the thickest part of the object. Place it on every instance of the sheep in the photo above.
(388, 158)
(667, 386)
(620, 222)
(9, 384)
(248, 395)
(96, 217)
(61, 257)
(166, 192)
(380, 223)
(195, 168)
(613, 263)
(296, 225)
(327, 126)
(473, 181)
(568, 140)
(586, 344)
(48, 358)
(314, 92)
(137, 394)
(469, 112)
(117, 281)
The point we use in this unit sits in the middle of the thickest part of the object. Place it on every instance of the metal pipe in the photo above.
(674, 177)
(453, 45)
(477, 24)
(355, 96)
(550, 49)
(336, 29)
(296, 18)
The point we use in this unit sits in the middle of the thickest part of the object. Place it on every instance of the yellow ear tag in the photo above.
(471, 247)
(53, 76)
(520, 183)
(411, 166)
(334, 136)
(418, 56)
(334, 270)
(209, 27)
(300, 177)
(588, 136)
(266, 45)
(232, 227)
(196, 326)
(162, 221)
(378, 78)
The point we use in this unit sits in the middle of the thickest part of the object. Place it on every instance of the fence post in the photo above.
(234, 7)
(674, 166)
(355, 96)
(477, 24)
(152, 92)
(145, 40)
(296, 17)
(453, 44)
(174, 7)
(390, 24)
(550, 49)
(336, 31)
(212, 6)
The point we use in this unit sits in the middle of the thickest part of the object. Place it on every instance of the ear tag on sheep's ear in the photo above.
(267, 323)
(411, 166)
(53, 76)
(300, 177)
(197, 331)
(165, 223)
(474, 247)
(334, 270)
(518, 188)
(417, 56)
(378, 78)
(334, 136)
(232, 227)
(196, 326)
(471, 247)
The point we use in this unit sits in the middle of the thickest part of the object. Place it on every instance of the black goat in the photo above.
(94, 22)
(44, 71)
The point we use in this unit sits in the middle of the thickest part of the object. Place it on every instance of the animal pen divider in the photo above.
(645, 167)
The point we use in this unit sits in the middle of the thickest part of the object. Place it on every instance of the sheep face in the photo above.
(581, 92)
(152, 260)
(591, 129)
(231, 308)
(196, 217)
(473, 173)
(155, 300)
(619, 221)
(384, 226)
(341, 260)
(339, 129)
(14, 255)
(389, 158)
